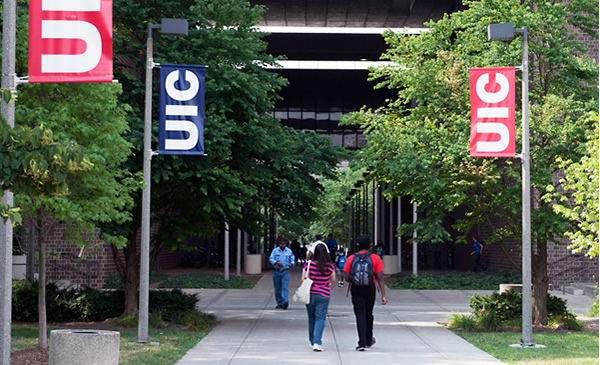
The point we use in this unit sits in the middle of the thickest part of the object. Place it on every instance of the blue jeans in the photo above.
(281, 280)
(317, 314)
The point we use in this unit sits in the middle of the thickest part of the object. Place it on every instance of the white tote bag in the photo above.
(302, 294)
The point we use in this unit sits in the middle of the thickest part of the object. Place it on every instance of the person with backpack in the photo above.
(362, 270)
(332, 246)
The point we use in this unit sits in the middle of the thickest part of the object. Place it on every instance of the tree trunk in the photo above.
(42, 320)
(131, 279)
(539, 264)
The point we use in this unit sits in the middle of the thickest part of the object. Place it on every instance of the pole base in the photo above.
(527, 346)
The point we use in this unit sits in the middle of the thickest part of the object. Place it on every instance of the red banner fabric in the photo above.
(492, 112)
(70, 41)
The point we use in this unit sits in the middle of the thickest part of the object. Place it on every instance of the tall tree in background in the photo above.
(251, 162)
(577, 196)
(423, 151)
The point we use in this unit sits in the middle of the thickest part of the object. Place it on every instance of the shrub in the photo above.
(113, 281)
(24, 301)
(490, 322)
(507, 307)
(569, 322)
(155, 320)
(467, 323)
(454, 280)
(557, 307)
(97, 305)
(66, 305)
(169, 302)
(127, 321)
(196, 321)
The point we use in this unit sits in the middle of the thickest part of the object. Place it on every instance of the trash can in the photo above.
(252, 264)
(89, 347)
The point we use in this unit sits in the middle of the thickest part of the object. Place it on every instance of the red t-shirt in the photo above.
(377, 263)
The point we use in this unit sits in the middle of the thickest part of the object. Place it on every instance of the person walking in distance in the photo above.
(340, 262)
(282, 260)
(363, 270)
(477, 250)
(322, 272)
(311, 247)
(332, 246)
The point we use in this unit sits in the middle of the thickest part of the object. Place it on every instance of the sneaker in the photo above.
(373, 341)
(285, 305)
(278, 306)
(317, 347)
(360, 348)
(342, 284)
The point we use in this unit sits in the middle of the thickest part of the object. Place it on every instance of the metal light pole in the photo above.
(506, 31)
(6, 233)
(169, 26)
(415, 249)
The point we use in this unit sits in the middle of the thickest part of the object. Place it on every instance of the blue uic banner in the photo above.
(181, 115)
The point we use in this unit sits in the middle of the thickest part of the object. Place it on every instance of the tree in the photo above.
(577, 198)
(88, 115)
(332, 208)
(422, 151)
(62, 159)
(251, 162)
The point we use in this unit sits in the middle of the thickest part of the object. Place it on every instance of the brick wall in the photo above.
(69, 263)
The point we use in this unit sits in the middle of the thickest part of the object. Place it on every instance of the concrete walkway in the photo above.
(252, 331)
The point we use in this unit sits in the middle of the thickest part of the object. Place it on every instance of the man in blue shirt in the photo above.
(332, 246)
(282, 260)
(477, 250)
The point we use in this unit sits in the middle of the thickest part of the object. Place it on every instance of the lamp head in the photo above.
(174, 26)
(501, 31)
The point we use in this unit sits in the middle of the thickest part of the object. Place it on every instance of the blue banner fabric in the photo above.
(181, 115)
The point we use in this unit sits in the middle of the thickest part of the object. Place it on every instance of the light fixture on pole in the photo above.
(168, 26)
(506, 31)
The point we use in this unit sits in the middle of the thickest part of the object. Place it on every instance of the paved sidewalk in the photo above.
(251, 331)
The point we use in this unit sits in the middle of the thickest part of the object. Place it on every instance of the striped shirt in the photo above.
(320, 281)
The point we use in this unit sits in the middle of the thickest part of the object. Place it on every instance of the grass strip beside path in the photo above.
(171, 347)
(206, 281)
(172, 344)
(561, 348)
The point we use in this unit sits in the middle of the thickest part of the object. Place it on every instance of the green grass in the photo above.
(172, 344)
(23, 336)
(561, 348)
(453, 280)
(113, 281)
(205, 280)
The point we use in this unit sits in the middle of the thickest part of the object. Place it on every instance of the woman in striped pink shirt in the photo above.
(322, 272)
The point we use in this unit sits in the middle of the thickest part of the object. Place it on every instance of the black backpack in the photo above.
(362, 270)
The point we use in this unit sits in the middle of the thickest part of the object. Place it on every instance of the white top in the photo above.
(311, 247)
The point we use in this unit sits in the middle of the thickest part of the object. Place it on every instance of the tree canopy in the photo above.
(251, 160)
(418, 144)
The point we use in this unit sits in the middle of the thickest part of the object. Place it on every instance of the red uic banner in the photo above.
(70, 41)
(492, 112)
